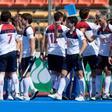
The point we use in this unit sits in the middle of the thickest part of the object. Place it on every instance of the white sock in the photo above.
(110, 87)
(107, 84)
(98, 84)
(92, 90)
(62, 85)
(26, 85)
(1, 85)
(82, 86)
(15, 82)
(31, 84)
(56, 82)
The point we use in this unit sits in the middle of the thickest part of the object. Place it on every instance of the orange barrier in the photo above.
(6, 2)
(66, 2)
(37, 2)
(84, 2)
(21, 2)
(101, 3)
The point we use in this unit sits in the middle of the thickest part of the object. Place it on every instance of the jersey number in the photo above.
(53, 39)
(10, 38)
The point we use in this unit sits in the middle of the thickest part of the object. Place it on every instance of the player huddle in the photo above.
(68, 45)
(74, 45)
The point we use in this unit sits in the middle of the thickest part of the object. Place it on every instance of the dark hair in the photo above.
(58, 15)
(27, 16)
(5, 16)
(83, 13)
(73, 19)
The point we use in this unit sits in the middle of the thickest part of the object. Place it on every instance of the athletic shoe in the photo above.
(34, 95)
(1, 99)
(105, 97)
(10, 97)
(79, 98)
(27, 98)
(92, 98)
(98, 97)
(55, 96)
(18, 97)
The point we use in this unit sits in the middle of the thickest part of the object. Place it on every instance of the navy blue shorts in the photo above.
(91, 60)
(103, 62)
(24, 64)
(8, 62)
(73, 62)
(55, 62)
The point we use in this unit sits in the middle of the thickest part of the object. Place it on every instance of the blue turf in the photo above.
(45, 104)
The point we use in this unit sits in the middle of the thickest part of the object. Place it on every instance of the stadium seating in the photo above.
(57, 2)
(66, 2)
(21, 2)
(100, 2)
(37, 2)
(6, 2)
(84, 2)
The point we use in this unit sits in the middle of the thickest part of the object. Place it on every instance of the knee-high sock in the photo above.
(1, 85)
(98, 84)
(31, 84)
(26, 85)
(107, 84)
(92, 89)
(62, 85)
(82, 86)
(15, 82)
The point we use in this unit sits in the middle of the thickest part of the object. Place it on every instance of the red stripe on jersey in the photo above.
(82, 24)
(7, 27)
(52, 27)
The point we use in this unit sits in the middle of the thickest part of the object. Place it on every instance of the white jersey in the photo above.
(28, 34)
(73, 41)
(105, 36)
(8, 36)
(56, 45)
(91, 28)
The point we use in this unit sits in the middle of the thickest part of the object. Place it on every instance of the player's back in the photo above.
(7, 38)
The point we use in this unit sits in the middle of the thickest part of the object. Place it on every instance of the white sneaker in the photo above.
(10, 97)
(27, 98)
(55, 96)
(79, 98)
(18, 97)
(1, 99)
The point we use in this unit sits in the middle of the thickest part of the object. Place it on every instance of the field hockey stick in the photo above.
(72, 83)
(26, 71)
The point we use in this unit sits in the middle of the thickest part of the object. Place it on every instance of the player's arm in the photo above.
(84, 43)
(88, 34)
(110, 56)
(32, 46)
(19, 48)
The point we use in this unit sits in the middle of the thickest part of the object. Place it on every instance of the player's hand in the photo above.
(42, 56)
(32, 59)
(110, 60)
